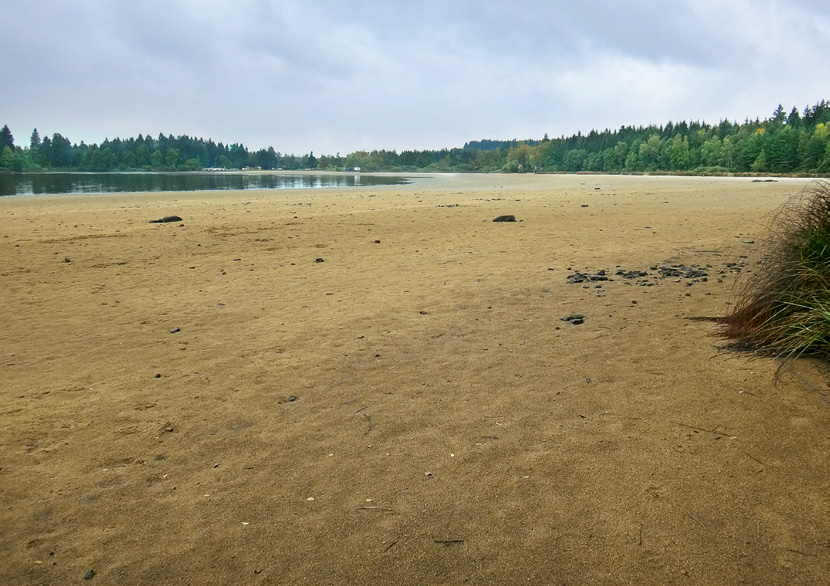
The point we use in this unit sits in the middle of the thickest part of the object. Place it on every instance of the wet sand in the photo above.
(206, 403)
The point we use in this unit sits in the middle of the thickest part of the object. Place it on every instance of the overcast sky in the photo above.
(337, 76)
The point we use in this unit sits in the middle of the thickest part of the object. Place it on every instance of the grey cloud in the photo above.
(336, 76)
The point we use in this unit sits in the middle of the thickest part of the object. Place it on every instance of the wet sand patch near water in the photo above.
(383, 385)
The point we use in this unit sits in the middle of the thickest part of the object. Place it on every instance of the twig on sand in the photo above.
(368, 429)
(809, 555)
(448, 542)
(715, 431)
(698, 521)
(751, 457)
(391, 545)
(373, 509)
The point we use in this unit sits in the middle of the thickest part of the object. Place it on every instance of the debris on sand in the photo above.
(166, 219)
(505, 219)
(579, 277)
(693, 273)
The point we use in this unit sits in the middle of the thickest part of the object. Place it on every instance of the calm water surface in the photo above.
(58, 183)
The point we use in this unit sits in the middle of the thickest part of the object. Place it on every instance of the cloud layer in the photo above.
(331, 76)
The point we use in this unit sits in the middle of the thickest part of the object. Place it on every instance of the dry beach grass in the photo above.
(783, 307)
(411, 410)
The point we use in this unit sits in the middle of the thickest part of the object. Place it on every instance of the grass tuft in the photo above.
(783, 307)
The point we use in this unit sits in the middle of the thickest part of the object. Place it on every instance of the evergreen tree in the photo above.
(794, 120)
(6, 138)
(778, 115)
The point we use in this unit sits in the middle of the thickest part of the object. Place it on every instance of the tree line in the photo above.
(798, 142)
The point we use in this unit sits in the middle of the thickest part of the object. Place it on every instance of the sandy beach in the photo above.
(376, 386)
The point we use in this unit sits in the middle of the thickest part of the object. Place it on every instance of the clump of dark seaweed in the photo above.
(782, 308)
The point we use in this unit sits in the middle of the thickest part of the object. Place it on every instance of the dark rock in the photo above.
(683, 271)
(157, 376)
(631, 274)
(422, 312)
(292, 398)
(505, 219)
(89, 575)
(578, 277)
(66, 260)
(175, 330)
(166, 219)
(318, 259)
(575, 318)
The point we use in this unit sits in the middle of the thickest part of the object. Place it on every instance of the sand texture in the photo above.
(206, 403)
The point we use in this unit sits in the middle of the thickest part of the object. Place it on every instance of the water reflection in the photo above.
(60, 183)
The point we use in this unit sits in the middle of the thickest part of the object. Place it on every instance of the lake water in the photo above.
(58, 183)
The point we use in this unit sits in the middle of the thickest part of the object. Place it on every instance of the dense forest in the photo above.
(798, 142)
